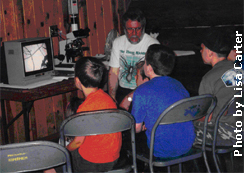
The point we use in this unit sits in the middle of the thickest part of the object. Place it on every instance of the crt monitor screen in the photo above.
(36, 57)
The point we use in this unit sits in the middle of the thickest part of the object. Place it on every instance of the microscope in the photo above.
(72, 46)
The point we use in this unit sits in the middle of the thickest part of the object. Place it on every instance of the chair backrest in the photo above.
(228, 109)
(33, 156)
(188, 109)
(99, 122)
(184, 110)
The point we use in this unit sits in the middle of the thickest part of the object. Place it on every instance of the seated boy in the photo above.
(153, 97)
(96, 153)
(220, 81)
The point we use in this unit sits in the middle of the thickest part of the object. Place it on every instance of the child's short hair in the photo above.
(161, 58)
(139, 66)
(90, 71)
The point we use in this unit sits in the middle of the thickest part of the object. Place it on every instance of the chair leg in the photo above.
(168, 168)
(221, 164)
(151, 168)
(232, 161)
(180, 167)
(216, 162)
(146, 167)
(196, 165)
(206, 162)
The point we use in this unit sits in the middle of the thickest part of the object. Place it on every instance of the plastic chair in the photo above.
(100, 122)
(228, 110)
(184, 110)
(33, 156)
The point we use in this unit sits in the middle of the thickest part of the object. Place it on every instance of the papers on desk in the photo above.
(184, 52)
(36, 84)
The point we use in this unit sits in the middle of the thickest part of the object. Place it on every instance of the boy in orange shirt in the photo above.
(97, 153)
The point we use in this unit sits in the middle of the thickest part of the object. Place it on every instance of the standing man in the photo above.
(128, 50)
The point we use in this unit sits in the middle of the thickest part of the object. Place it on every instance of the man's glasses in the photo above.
(131, 30)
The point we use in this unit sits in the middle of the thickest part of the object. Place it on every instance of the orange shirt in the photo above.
(100, 148)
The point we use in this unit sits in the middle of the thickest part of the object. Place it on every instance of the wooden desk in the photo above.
(27, 98)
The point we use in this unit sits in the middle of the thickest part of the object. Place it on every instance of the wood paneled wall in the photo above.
(32, 18)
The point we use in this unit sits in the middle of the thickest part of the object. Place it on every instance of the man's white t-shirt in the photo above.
(126, 55)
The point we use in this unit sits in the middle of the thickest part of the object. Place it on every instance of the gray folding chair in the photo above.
(184, 110)
(228, 110)
(100, 122)
(33, 156)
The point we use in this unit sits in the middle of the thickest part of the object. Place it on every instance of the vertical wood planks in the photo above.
(29, 19)
(33, 130)
(2, 26)
(10, 16)
(50, 19)
(16, 131)
(9, 108)
(32, 18)
(92, 24)
(107, 16)
(58, 109)
(100, 28)
(83, 23)
(115, 15)
(121, 10)
(40, 118)
(39, 18)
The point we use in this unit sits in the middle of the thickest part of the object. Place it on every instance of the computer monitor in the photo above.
(29, 60)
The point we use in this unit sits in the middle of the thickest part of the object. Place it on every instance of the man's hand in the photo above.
(143, 128)
(140, 127)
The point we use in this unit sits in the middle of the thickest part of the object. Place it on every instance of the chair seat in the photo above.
(218, 149)
(194, 153)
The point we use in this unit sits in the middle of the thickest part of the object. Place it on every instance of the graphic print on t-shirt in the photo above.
(128, 70)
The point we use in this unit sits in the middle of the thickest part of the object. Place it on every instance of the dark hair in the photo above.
(134, 14)
(139, 66)
(90, 71)
(161, 58)
(218, 41)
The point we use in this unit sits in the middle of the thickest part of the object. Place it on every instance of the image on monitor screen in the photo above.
(35, 57)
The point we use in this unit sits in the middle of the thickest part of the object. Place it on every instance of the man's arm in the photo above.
(126, 102)
(140, 127)
(113, 77)
(204, 88)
